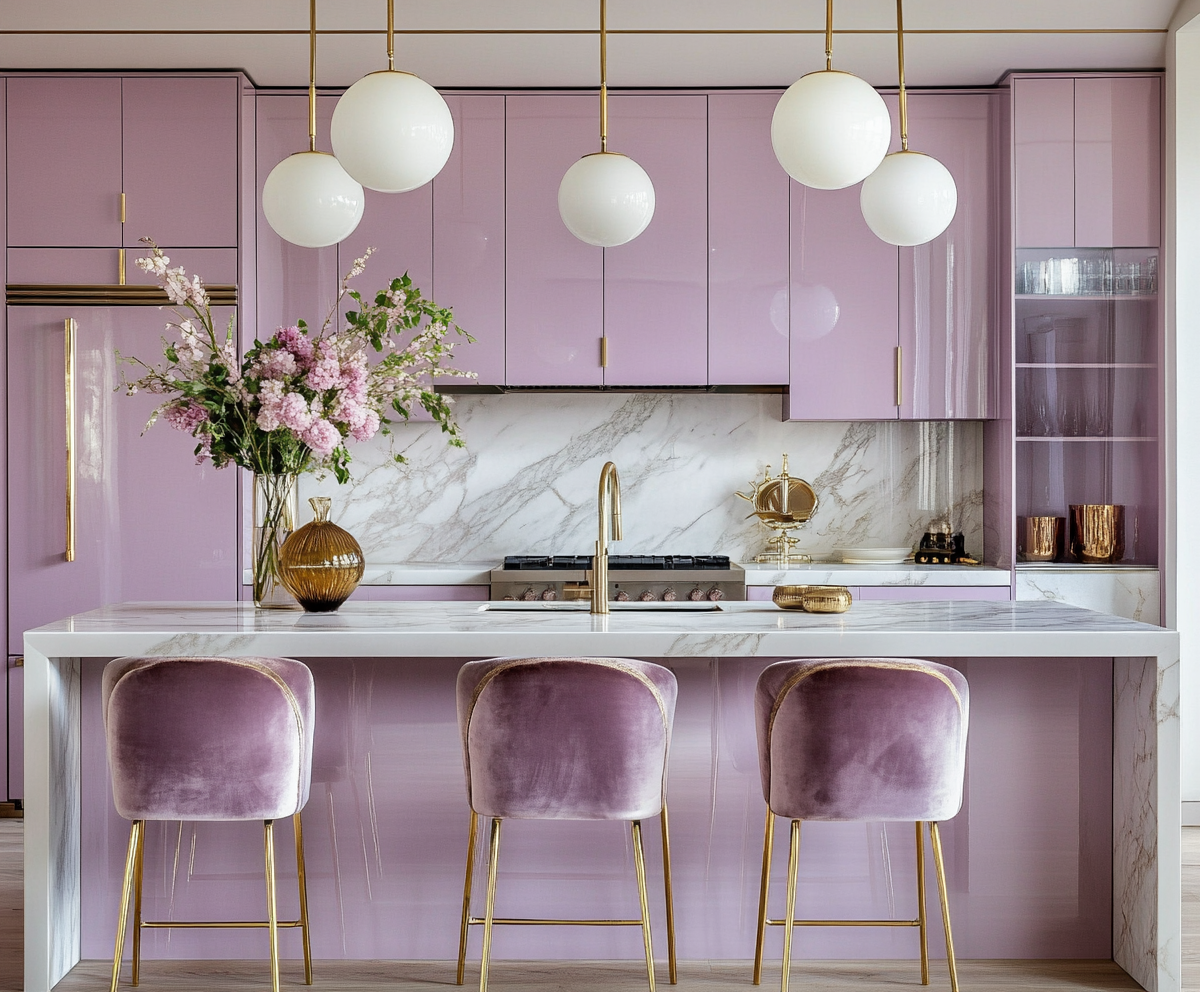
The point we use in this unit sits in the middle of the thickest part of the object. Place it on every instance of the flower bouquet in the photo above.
(292, 402)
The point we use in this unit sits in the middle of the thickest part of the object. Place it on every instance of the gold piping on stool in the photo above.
(131, 892)
(490, 920)
(789, 922)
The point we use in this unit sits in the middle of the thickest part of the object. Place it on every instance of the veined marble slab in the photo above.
(1127, 592)
(833, 573)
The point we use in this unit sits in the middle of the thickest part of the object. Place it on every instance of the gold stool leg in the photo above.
(135, 830)
(466, 913)
(639, 864)
(137, 906)
(790, 914)
(490, 904)
(272, 918)
(302, 884)
(941, 877)
(921, 902)
(672, 972)
(768, 842)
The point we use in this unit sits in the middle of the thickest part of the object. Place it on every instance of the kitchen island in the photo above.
(1067, 844)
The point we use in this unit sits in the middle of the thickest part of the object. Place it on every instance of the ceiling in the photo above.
(553, 42)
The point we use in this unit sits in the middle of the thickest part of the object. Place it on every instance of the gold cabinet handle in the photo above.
(899, 376)
(122, 208)
(604, 352)
(120, 266)
(69, 330)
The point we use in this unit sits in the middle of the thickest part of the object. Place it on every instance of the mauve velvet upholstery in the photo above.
(566, 738)
(862, 738)
(208, 738)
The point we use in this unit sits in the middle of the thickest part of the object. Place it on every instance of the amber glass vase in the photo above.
(321, 564)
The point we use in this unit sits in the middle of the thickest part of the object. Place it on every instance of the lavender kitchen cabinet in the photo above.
(1044, 184)
(293, 282)
(180, 160)
(150, 523)
(844, 311)
(1118, 161)
(15, 758)
(748, 320)
(468, 243)
(655, 287)
(554, 282)
(945, 285)
(399, 226)
(64, 161)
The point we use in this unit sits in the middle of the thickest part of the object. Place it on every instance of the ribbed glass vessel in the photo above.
(274, 519)
(321, 564)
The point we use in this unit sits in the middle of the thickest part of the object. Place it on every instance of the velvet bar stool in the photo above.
(870, 739)
(209, 739)
(565, 739)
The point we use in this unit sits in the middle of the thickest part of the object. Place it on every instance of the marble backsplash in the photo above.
(526, 481)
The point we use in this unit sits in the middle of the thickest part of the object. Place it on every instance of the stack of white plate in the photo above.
(874, 556)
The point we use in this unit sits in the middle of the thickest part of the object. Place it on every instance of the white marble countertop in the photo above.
(938, 628)
(475, 573)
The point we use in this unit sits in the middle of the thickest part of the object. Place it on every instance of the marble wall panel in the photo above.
(1124, 592)
(526, 481)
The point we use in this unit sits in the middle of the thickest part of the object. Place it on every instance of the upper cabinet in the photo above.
(655, 287)
(1088, 161)
(748, 318)
(945, 355)
(76, 143)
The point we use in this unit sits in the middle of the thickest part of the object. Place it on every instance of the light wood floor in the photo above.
(508, 976)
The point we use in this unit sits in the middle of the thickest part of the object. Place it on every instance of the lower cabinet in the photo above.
(15, 738)
(904, 593)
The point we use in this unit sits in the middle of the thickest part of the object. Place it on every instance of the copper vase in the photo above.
(1097, 533)
(321, 564)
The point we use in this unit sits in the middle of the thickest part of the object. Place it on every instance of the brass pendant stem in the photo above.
(391, 35)
(312, 75)
(603, 75)
(828, 35)
(900, 59)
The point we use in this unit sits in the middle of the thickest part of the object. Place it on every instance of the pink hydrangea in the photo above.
(367, 428)
(185, 415)
(270, 402)
(297, 342)
(294, 413)
(276, 363)
(322, 437)
(326, 371)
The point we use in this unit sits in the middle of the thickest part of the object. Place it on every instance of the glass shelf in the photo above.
(1098, 297)
(1071, 438)
(1086, 365)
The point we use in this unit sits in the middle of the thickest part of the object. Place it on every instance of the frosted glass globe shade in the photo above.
(392, 131)
(910, 199)
(310, 201)
(830, 129)
(606, 199)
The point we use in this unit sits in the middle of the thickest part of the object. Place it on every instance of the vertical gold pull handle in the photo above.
(69, 329)
(604, 352)
(899, 376)
(120, 266)
(122, 208)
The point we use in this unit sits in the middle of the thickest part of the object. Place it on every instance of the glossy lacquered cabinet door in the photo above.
(15, 757)
(150, 524)
(1118, 161)
(655, 287)
(554, 300)
(180, 161)
(1044, 152)
(293, 283)
(64, 161)
(748, 316)
(945, 294)
(844, 311)
(468, 244)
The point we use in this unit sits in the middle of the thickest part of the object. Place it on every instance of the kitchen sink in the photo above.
(583, 606)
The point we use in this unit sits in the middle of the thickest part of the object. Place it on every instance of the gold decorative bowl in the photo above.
(813, 599)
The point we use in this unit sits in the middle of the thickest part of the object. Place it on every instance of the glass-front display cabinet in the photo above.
(1086, 355)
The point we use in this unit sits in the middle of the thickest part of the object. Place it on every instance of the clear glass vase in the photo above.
(275, 512)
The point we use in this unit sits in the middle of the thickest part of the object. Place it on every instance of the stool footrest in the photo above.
(498, 921)
(846, 923)
(215, 925)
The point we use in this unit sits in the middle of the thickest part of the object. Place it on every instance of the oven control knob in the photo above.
(696, 595)
(646, 597)
(622, 596)
(669, 595)
(528, 596)
(549, 595)
(715, 594)
(510, 599)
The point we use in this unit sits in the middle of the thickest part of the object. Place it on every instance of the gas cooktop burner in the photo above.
(616, 562)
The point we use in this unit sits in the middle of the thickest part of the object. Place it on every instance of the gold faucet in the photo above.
(609, 505)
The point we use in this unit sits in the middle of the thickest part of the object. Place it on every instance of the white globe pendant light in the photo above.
(830, 129)
(606, 198)
(308, 199)
(911, 198)
(391, 130)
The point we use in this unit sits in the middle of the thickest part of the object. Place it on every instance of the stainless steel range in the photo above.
(632, 578)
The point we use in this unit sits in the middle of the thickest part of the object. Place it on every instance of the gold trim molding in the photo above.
(413, 32)
(39, 295)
